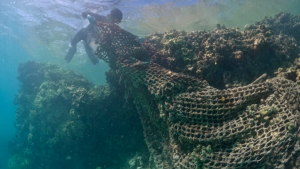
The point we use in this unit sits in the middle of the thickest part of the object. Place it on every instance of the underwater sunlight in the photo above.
(129, 84)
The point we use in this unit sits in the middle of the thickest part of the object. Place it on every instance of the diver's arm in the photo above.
(96, 16)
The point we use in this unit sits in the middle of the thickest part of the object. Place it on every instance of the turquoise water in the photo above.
(40, 31)
(11, 54)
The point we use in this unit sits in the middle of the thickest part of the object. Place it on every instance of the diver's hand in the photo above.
(91, 19)
(84, 14)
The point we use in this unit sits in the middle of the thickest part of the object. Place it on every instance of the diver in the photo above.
(88, 34)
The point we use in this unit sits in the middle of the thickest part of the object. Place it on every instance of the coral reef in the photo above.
(190, 124)
(225, 56)
(18, 161)
(284, 23)
(63, 121)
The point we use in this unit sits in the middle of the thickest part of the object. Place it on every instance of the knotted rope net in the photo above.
(189, 124)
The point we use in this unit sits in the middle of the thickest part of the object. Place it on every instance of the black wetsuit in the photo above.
(86, 34)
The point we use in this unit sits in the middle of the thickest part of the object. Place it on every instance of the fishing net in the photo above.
(189, 124)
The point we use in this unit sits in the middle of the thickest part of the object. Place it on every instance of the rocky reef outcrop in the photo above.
(63, 121)
(283, 23)
(228, 56)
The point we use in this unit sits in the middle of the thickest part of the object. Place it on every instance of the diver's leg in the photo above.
(90, 53)
(80, 35)
(70, 54)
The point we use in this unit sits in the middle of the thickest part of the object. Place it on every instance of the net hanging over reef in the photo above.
(188, 123)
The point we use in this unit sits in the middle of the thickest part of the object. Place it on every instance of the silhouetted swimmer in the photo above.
(88, 34)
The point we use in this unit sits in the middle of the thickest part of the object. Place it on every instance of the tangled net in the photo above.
(189, 124)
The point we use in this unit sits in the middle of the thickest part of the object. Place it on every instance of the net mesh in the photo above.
(189, 124)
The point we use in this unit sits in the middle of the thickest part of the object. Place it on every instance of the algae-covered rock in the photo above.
(60, 114)
(228, 56)
(19, 161)
(284, 23)
(138, 161)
